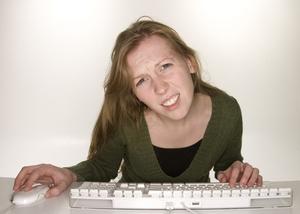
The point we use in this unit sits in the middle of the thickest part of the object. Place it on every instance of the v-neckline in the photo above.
(150, 149)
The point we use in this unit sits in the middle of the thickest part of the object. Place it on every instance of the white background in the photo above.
(54, 55)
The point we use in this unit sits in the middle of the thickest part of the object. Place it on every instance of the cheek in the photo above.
(188, 79)
(144, 92)
(140, 95)
(146, 98)
(185, 80)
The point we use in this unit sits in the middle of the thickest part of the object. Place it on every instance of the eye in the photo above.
(165, 66)
(140, 82)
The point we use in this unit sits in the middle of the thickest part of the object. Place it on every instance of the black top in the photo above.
(174, 161)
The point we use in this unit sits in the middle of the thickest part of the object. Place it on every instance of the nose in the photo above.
(160, 86)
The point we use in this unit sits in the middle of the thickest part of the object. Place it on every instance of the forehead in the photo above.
(151, 49)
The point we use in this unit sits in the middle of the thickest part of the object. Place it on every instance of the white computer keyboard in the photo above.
(176, 196)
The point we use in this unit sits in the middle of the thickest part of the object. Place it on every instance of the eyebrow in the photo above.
(156, 65)
(137, 77)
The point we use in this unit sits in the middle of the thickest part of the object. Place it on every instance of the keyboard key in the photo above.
(118, 193)
(284, 191)
(103, 193)
(155, 193)
(187, 194)
(216, 193)
(137, 193)
(177, 193)
(167, 194)
(226, 193)
(206, 193)
(127, 193)
(264, 192)
(235, 193)
(84, 192)
(254, 192)
(74, 192)
(141, 185)
(197, 193)
(245, 192)
(273, 191)
(93, 192)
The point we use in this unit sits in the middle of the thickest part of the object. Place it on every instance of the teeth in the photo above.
(170, 101)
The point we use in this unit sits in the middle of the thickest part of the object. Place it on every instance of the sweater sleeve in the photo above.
(105, 165)
(232, 151)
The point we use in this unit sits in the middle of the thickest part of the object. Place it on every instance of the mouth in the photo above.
(170, 101)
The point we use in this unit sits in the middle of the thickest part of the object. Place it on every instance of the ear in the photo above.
(191, 65)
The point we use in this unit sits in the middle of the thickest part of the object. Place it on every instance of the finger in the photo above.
(252, 180)
(247, 174)
(22, 182)
(46, 180)
(222, 177)
(56, 190)
(259, 181)
(237, 164)
(32, 179)
(40, 175)
(20, 178)
(23, 175)
(244, 166)
(235, 173)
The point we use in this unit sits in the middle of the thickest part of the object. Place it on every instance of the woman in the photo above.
(158, 117)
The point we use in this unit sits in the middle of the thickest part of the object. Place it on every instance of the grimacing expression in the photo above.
(161, 78)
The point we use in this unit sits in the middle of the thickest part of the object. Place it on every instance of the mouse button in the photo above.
(23, 198)
(37, 193)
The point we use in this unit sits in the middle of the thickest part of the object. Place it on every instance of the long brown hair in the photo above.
(120, 104)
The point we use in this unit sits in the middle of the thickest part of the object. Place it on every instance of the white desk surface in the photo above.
(60, 204)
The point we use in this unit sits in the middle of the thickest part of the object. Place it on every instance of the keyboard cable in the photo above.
(170, 208)
(8, 210)
(188, 209)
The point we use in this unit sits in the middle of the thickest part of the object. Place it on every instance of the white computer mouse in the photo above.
(36, 194)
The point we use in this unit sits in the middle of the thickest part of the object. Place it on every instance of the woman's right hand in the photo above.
(58, 179)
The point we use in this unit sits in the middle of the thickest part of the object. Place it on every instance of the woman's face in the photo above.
(161, 78)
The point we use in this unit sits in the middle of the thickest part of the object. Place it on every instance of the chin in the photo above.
(177, 115)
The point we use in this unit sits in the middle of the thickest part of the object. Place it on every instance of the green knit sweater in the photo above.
(220, 147)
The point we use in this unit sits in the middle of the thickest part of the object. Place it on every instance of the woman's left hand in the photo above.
(242, 173)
